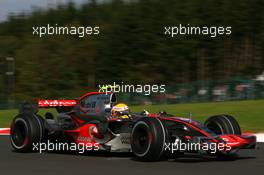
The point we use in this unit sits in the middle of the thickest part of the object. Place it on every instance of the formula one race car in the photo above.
(150, 137)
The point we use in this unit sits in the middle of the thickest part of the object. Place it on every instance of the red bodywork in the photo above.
(84, 134)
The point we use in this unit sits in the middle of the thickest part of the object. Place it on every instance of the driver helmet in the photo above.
(120, 110)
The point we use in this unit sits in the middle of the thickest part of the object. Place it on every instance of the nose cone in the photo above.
(240, 141)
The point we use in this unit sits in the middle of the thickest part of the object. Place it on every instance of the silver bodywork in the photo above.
(120, 143)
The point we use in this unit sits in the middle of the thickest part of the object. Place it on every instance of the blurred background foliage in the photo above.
(131, 47)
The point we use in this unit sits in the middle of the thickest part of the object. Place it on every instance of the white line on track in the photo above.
(1, 129)
(260, 137)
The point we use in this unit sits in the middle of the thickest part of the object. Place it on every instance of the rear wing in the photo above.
(96, 102)
(56, 103)
(60, 105)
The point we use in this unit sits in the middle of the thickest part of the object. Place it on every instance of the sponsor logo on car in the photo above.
(125, 140)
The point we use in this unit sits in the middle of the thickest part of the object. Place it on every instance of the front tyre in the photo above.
(223, 124)
(148, 139)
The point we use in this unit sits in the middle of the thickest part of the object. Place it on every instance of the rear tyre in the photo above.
(27, 130)
(148, 139)
(223, 124)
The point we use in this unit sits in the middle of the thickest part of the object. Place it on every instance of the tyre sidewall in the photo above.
(226, 123)
(156, 143)
(34, 131)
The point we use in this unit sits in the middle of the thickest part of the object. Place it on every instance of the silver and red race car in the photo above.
(88, 121)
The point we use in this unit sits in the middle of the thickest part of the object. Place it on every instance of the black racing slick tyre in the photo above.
(223, 124)
(27, 130)
(148, 139)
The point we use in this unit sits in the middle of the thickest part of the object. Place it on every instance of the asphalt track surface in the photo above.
(250, 162)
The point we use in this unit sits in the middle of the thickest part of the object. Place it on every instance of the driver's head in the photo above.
(120, 110)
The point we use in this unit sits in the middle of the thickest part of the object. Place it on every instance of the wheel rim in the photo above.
(19, 134)
(141, 139)
(216, 128)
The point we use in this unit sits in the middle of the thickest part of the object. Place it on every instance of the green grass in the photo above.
(248, 113)
(6, 116)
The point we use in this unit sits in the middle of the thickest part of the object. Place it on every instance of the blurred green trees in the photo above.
(132, 46)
